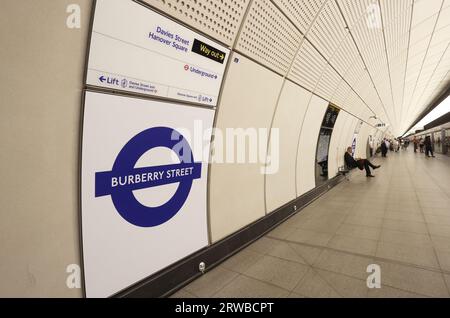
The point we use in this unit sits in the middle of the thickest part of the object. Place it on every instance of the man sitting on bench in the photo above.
(359, 163)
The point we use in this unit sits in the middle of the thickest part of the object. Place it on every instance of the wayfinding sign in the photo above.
(137, 50)
(144, 188)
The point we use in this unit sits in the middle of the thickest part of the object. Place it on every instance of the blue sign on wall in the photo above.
(125, 178)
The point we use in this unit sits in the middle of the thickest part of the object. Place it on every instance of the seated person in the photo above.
(359, 163)
(324, 165)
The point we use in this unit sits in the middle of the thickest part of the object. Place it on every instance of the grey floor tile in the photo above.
(211, 282)
(389, 292)
(438, 220)
(183, 294)
(406, 238)
(309, 254)
(242, 261)
(345, 286)
(439, 204)
(295, 296)
(447, 280)
(413, 279)
(282, 232)
(282, 273)
(315, 286)
(246, 287)
(439, 230)
(310, 237)
(297, 220)
(408, 254)
(264, 245)
(399, 216)
(444, 259)
(404, 207)
(369, 221)
(324, 225)
(436, 212)
(354, 245)
(363, 213)
(287, 251)
(441, 243)
(406, 226)
(343, 263)
(357, 231)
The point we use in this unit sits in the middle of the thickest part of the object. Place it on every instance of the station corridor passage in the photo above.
(399, 220)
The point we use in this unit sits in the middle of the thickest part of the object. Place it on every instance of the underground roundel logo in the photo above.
(125, 178)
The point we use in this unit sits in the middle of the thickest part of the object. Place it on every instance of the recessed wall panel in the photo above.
(306, 166)
(334, 161)
(280, 185)
(361, 146)
(237, 189)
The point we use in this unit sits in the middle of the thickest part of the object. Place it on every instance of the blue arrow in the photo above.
(102, 79)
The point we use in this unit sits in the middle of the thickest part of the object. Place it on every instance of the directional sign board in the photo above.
(144, 188)
(137, 50)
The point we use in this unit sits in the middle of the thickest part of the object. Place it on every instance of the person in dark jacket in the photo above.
(361, 164)
(428, 147)
(384, 149)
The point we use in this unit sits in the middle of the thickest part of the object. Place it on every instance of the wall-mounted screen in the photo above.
(136, 49)
(323, 144)
(330, 117)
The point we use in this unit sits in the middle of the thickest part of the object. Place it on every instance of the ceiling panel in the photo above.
(217, 18)
(268, 37)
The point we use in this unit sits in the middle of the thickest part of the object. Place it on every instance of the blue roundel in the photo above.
(125, 178)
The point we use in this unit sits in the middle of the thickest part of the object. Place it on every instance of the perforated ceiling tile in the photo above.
(301, 12)
(341, 93)
(328, 84)
(220, 19)
(329, 31)
(268, 37)
(308, 67)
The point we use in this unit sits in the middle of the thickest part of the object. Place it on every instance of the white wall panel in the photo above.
(361, 146)
(306, 157)
(347, 136)
(280, 187)
(237, 190)
(41, 84)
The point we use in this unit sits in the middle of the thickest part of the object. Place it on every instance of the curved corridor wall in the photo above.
(278, 76)
(41, 87)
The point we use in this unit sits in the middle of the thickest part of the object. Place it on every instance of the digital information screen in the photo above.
(323, 145)
(331, 117)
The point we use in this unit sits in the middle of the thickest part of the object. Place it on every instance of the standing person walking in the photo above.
(384, 148)
(422, 145)
(416, 144)
(428, 147)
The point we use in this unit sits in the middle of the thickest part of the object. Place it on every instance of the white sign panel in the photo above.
(137, 50)
(144, 188)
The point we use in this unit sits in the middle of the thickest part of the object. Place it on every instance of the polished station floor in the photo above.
(399, 220)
